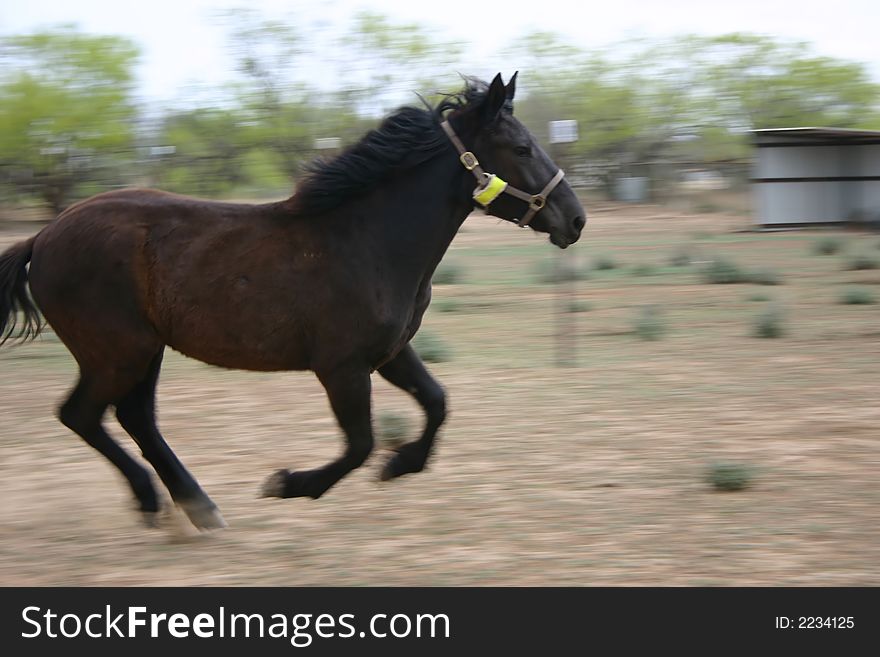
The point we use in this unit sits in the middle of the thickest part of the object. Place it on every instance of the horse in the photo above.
(334, 279)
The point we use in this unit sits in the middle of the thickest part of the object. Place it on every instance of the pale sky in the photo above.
(183, 46)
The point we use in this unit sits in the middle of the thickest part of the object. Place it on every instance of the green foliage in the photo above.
(263, 173)
(207, 155)
(448, 273)
(579, 307)
(724, 271)
(862, 262)
(708, 207)
(394, 59)
(66, 111)
(554, 270)
(770, 323)
(857, 296)
(724, 476)
(828, 246)
(604, 263)
(681, 257)
(649, 324)
(448, 305)
(767, 83)
(392, 429)
(431, 348)
(765, 277)
(758, 296)
(644, 269)
(702, 90)
(67, 116)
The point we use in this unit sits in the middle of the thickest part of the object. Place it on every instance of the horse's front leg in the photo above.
(407, 372)
(348, 389)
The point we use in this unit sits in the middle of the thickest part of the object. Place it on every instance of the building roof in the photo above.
(835, 135)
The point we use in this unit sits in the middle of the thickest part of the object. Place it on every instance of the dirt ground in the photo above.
(586, 475)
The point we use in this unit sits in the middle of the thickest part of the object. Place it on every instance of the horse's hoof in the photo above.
(150, 519)
(204, 516)
(275, 485)
(388, 469)
(397, 466)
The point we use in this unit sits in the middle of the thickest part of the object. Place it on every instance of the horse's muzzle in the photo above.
(564, 239)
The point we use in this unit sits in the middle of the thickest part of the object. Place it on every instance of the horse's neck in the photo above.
(421, 216)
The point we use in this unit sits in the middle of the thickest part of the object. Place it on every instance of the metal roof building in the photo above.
(814, 176)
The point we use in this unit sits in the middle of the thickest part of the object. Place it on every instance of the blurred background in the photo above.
(228, 100)
(679, 399)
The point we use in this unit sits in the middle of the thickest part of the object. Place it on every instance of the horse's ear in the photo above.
(511, 88)
(495, 99)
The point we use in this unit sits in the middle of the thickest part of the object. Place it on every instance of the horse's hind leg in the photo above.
(349, 394)
(82, 413)
(136, 412)
(407, 372)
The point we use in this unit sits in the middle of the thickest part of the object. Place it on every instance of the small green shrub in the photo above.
(724, 271)
(448, 273)
(765, 277)
(758, 296)
(392, 428)
(729, 476)
(770, 323)
(557, 271)
(857, 296)
(828, 246)
(681, 257)
(862, 262)
(604, 263)
(431, 348)
(708, 207)
(579, 306)
(644, 269)
(649, 324)
(447, 305)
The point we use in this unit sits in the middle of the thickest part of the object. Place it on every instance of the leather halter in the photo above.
(490, 186)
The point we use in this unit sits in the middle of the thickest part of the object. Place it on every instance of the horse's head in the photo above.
(516, 180)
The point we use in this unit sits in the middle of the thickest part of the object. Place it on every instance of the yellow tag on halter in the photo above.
(488, 192)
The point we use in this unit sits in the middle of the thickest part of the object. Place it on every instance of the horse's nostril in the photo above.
(579, 222)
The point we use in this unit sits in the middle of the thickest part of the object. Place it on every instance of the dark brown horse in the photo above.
(334, 279)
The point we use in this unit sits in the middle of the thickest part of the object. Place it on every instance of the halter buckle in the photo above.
(537, 202)
(469, 160)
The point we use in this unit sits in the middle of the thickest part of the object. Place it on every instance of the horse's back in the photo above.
(241, 286)
(105, 242)
(88, 276)
(230, 284)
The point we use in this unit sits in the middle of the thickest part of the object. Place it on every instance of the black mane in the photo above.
(406, 138)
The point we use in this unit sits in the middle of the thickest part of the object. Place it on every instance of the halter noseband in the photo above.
(490, 186)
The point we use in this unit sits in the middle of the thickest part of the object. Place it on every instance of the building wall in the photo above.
(863, 202)
(798, 202)
(780, 200)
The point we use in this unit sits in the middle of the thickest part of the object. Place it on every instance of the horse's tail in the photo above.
(14, 297)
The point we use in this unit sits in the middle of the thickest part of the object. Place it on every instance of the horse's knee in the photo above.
(71, 415)
(359, 450)
(433, 400)
(125, 414)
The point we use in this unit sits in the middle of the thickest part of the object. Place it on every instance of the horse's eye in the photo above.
(523, 151)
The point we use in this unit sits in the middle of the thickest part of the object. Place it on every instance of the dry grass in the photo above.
(588, 475)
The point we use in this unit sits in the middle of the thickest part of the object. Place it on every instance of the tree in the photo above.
(66, 111)
(207, 146)
(714, 90)
(385, 62)
(756, 82)
(691, 98)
